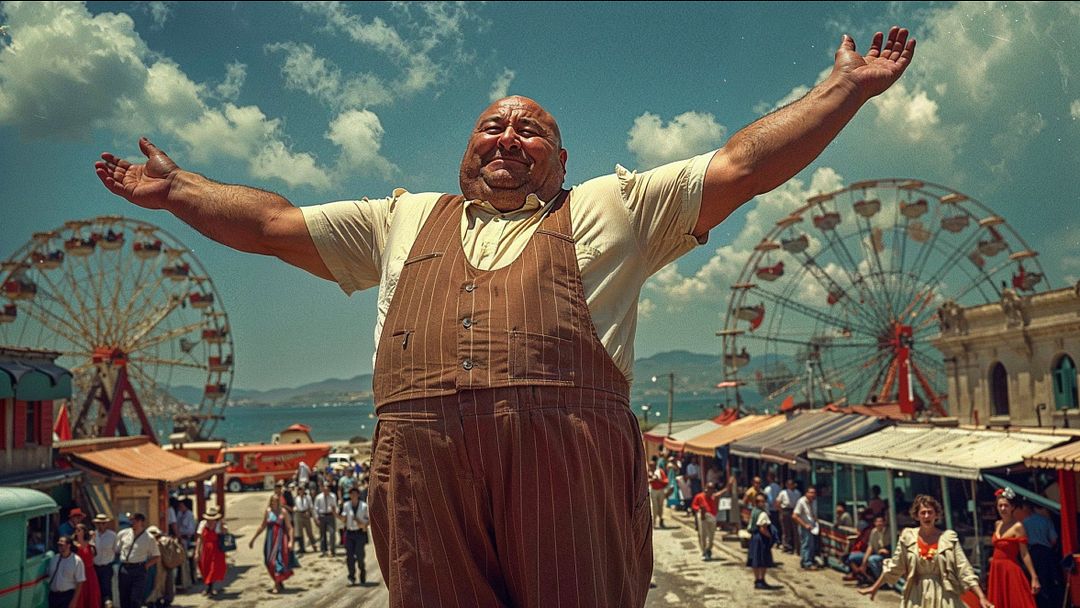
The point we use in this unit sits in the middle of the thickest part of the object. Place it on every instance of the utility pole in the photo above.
(670, 401)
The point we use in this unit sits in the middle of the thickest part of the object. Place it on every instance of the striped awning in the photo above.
(147, 462)
(1064, 457)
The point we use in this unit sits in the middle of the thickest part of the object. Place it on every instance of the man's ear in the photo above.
(562, 159)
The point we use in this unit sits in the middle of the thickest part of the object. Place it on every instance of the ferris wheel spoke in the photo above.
(124, 264)
(55, 323)
(151, 319)
(988, 275)
(879, 302)
(76, 316)
(866, 240)
(874, 314)
(953, 258)
(812, 313)
(830, 284)
(175, 332)
(142, 295)
(168, 362)
(810, 343)
(94, 296)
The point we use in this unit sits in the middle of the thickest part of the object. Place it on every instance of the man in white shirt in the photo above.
(772, 493)
(785, 503)
(511, 178)
(138, 553)
(67, 573)
(303, 475)
(355, 515)
(104, 553)
(303, 511)
(805, 516)
(326, 509)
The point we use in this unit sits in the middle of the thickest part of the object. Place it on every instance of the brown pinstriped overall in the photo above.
(508, 468)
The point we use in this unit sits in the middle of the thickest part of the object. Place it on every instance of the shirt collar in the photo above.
(532, 204)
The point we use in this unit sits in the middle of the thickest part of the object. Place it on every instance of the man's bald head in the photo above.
(515, 150)
(525, 102)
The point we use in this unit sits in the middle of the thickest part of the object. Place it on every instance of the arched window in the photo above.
(999, 390)
(1064, 378)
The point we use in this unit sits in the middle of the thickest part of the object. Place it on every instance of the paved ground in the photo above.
(681, 578)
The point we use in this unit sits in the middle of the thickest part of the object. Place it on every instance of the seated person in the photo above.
(865, 559)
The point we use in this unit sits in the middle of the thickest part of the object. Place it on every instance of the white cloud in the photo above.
(59, 52)
(235, 74)
(1010, 143)
(501, 86)
(911, 114)
(426, 30)
(1074, 109)
(688, 134)
(645, 308)
(722, 270)
(159, 12)
(319, 77)
(359, 135)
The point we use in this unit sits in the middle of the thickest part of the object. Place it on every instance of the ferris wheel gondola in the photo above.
(134, 316)
(844, 311)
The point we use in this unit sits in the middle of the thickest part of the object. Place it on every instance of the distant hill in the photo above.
(696, 376)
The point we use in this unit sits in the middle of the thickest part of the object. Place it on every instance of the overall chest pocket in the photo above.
(539, 357)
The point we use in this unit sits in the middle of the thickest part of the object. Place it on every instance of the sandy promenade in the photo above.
(320, 582)
(681, 578)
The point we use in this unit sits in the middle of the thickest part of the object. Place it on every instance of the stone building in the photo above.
(1013, 362)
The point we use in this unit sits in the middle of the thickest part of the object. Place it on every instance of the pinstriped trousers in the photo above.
(522, 496)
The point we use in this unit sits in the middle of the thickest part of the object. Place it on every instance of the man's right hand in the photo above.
(147, 185)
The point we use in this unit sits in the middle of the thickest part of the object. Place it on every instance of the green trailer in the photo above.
(26, 524)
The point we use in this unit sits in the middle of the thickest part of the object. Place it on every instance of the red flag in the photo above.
(62, 427)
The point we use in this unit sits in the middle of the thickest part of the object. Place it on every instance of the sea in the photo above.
(338, 422)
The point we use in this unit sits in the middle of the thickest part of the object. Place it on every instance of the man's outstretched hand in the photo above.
(883, 64)
(147, 185)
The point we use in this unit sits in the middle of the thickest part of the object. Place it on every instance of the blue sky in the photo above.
(325, 102)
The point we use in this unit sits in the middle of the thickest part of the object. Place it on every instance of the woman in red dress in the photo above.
(90, 596)
(1007, 585)
(208, 553)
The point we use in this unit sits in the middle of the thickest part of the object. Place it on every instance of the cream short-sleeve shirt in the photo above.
(626, 225)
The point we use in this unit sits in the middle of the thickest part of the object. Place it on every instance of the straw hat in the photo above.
(212, 513)
(153, 531)
(102, 518)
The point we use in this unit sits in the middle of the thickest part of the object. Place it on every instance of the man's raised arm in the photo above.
(774, 148)
(240, 217)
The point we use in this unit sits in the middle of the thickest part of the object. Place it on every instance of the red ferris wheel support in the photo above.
(108, 421)
(900, 371)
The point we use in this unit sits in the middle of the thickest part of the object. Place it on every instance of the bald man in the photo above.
(505, 333)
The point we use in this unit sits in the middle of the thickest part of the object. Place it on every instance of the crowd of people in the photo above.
(152, 565)
(1023, 571)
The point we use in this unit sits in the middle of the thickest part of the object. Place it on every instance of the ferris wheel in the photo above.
(134, 316)
(838, 302)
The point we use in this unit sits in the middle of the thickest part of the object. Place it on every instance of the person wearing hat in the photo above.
(208, 552)
(75, 517)
(105, 554)
(138, 553)
(163, 574)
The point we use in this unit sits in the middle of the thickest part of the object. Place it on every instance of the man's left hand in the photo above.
(883, 64)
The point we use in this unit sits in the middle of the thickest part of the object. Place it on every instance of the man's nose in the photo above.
(508, 139)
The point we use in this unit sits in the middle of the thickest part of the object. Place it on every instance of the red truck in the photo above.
(255, 465)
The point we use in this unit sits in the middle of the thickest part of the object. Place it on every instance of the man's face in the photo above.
(811, 494)
(515, 150)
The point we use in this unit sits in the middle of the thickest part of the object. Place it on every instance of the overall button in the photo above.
(467, 364)
(467, 323)
(470, 287)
